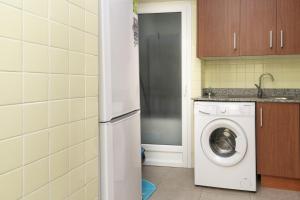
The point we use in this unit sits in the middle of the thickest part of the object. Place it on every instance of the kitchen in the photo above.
(208, 89)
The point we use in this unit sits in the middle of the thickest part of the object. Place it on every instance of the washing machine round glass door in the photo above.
(224, 142)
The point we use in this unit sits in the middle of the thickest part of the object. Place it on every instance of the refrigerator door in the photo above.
(119, 63)
(121, 159)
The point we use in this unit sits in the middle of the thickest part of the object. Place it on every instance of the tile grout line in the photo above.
(22, 105)
(48, 94)
(69, 105)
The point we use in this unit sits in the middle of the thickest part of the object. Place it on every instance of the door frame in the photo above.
(167, 155)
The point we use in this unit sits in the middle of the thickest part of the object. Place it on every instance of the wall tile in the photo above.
(91, 86)
(35, 29)
(59, 60)
(79, 195)
(77, 16)
(59, 188)
(76, 180)
(91, 129)
(48, 87)
(39, 7)
(11, 185)
(78, 2)
(36, 175)
(91, 23)
(76, 155)
(35, 58)
(59, 164)
(42, 193)
(59, 138)
(91, 44)
(77, 134)
(10, 87)
(91, 149)
(77, 109)
(35, 87)
(91, 191)
(10, 22)
(59, 86)
(36, 146)
(248, 71)
(76, 63)
(10, 121)
(58, 112)
(59, 11)
(77, 86)
(11, 55)
(35, 117)
(76, 40)
(91, 64)
(11, 154)
(91, 107)
(16, 3)
(59, 36)
(92, 6)
(91, 170)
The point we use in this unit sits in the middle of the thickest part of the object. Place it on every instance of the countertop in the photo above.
(247, 99)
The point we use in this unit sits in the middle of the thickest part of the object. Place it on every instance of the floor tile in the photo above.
(178, 184)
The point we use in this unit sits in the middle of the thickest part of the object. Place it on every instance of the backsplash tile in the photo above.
(245, 72)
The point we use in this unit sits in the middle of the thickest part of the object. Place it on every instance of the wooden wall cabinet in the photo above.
(278, 140)
(258, 27)
(248, 27)
(218, 28)
(288, 26)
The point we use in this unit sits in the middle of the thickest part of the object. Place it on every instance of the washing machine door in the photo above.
(224, 142)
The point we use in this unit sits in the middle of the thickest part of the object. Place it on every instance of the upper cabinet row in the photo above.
(248, 27)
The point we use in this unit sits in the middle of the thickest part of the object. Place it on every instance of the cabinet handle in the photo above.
(271, 39)
(281, 39)
(234, 40)
(261, 117)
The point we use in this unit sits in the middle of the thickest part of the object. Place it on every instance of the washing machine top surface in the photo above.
(226, 108)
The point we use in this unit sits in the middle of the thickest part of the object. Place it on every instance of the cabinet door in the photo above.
(288, 26)
(278, 140)
(258, 27)
(218, 28)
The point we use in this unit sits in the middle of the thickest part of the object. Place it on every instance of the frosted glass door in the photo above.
(160, 78)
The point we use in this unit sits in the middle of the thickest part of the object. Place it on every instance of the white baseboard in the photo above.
(164, 155)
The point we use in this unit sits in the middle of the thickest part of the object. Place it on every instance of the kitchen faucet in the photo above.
(259, 87)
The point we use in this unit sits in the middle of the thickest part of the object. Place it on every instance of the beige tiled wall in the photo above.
(48, 99)
(245, 72)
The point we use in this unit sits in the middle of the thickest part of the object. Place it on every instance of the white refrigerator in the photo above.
(119, 102)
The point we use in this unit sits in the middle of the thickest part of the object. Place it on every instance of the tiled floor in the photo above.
(177, 184)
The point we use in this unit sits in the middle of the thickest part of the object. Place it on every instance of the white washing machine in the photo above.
(225, 145)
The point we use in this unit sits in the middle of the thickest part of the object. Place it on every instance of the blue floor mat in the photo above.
(148, 189)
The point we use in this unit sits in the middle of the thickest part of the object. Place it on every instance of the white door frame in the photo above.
(167, 155)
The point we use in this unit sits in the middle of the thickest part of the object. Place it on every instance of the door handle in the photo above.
(271, 39)
(234, 41)
(261, 117)
(281, 39)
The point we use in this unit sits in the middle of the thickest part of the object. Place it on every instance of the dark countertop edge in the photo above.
(246, 99)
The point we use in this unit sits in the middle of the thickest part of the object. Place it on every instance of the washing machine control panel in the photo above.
(232, 109)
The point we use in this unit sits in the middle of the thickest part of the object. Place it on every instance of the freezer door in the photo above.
(119, 63)
(121, 159)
